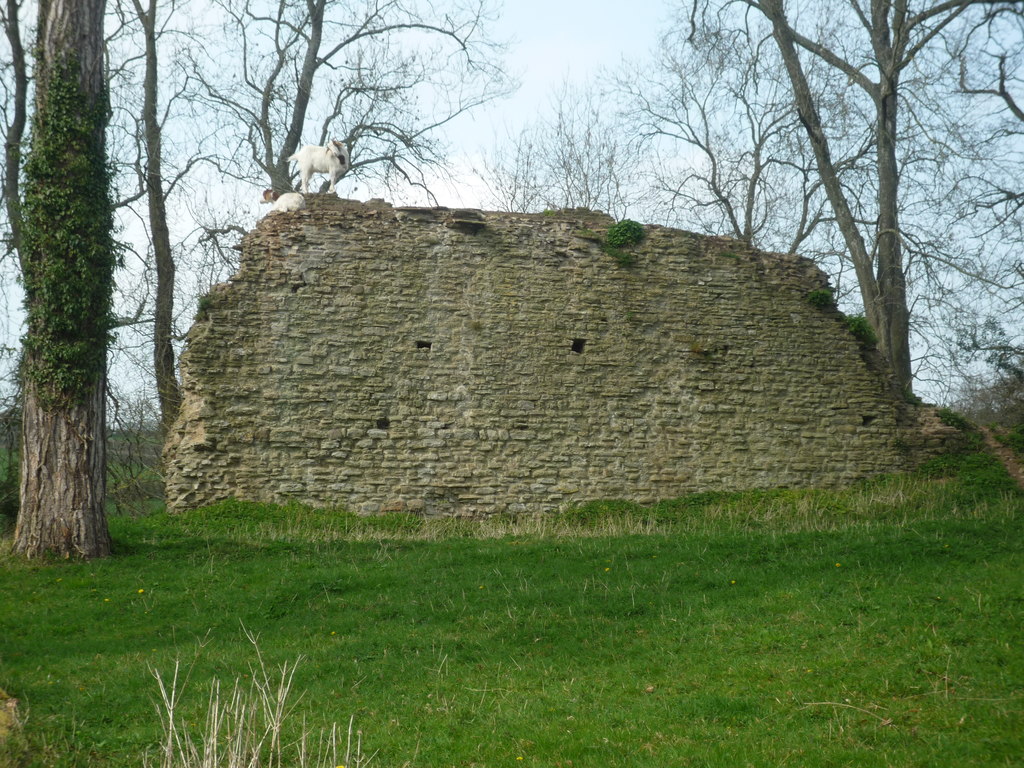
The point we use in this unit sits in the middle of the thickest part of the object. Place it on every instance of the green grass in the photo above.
(870, 627)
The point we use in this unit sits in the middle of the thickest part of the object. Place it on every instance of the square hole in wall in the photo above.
(578, 345)
(424, 344)
(383, 423)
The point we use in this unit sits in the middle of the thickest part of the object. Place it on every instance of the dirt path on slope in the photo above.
(1005, 455)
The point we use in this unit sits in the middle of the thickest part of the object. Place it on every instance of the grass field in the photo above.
(878, 626)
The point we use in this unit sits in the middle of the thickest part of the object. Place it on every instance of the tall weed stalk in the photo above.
(251, 727)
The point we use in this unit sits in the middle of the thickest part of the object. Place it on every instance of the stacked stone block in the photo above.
(466, 363)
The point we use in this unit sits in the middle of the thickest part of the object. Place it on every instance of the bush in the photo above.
(821, 298)
(626, 232)
(862, 330)
(980, 476)
(203, 306)
(619, 237)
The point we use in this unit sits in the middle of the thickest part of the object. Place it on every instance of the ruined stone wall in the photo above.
(455, 362)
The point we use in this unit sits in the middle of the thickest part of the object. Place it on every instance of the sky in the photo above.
(573, 39)
(552, 42)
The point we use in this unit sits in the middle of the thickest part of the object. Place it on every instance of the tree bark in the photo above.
(67, 265)
(63, 485)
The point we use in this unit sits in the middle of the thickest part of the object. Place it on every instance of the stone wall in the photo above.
(459, 362)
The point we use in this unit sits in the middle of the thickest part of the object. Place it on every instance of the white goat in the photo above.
(289, 201)
(331, 159)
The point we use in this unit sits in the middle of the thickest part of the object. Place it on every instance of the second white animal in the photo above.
(289, 201)
(332, 160)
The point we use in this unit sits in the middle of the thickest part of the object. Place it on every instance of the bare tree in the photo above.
(996, 398)
(577, 157)
(716, 113)
(988, 350)
(14, 94)
(991, 68)
(15, 113)
(514, 171)
(381, 75)
(883, 45)
(154, 100)
(144, 13)
(67, 261)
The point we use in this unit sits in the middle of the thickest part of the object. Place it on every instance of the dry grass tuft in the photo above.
(251, 727)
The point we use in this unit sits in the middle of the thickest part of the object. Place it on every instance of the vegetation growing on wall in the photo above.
(821, 298)
(620, 237)
(862, 330)
(951, 418)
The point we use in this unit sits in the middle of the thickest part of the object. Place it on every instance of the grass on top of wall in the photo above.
(874, 626)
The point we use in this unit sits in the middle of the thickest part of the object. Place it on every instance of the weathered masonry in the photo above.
(459, 362)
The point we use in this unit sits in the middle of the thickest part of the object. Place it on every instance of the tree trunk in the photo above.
(67, 263)
(894, 315)
(168, 392)
(16, 129)
(280, 175)
(63, 486)
(879, 276)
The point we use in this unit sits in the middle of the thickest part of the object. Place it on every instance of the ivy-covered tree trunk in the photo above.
(67, 263)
